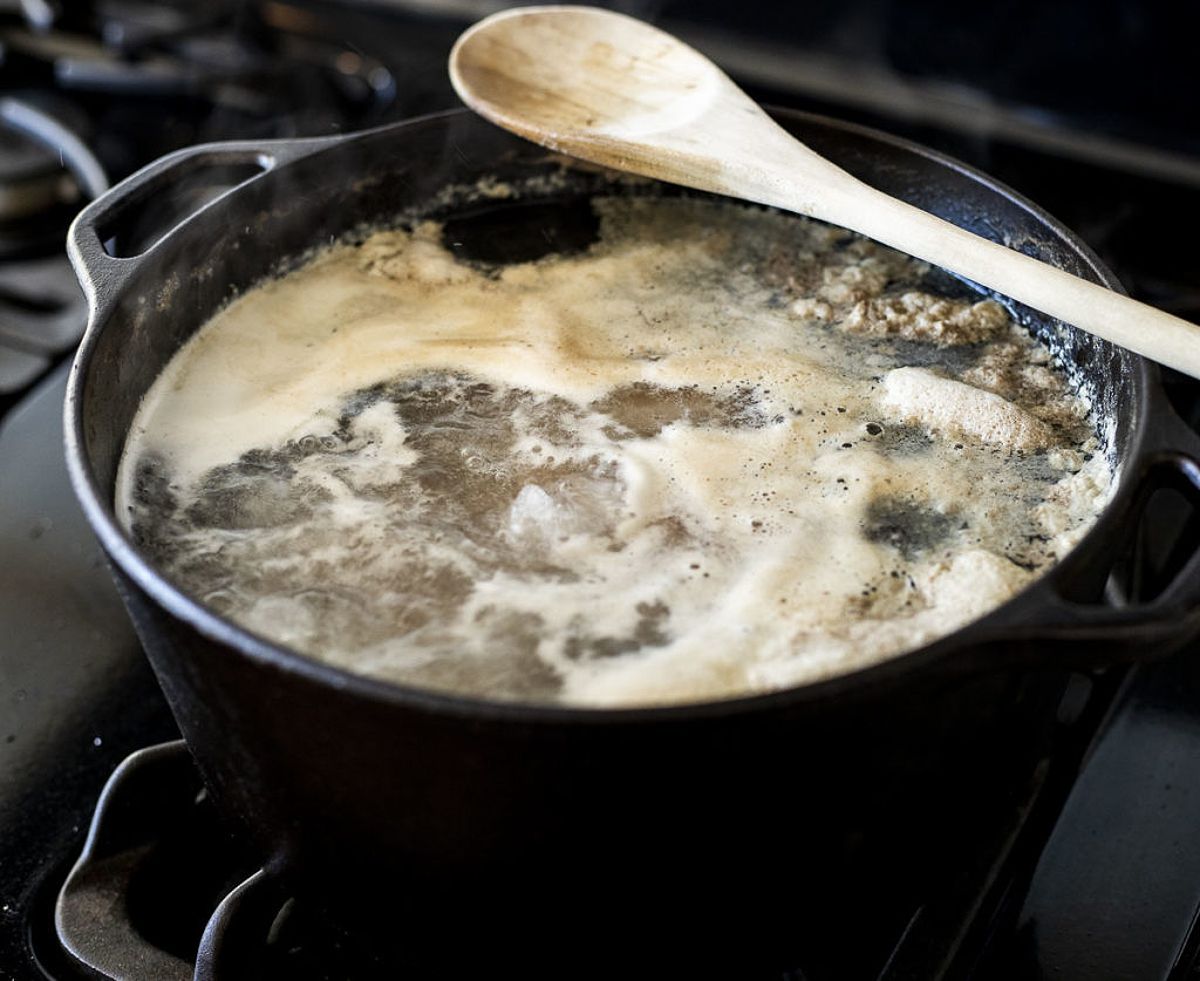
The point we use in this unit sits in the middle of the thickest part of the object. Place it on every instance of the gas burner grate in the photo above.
(46, 172)
(222, 69)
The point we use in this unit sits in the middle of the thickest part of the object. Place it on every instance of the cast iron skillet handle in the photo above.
(101, 273)
(1085, 634)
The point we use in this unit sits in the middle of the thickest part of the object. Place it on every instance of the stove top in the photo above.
(111, 861)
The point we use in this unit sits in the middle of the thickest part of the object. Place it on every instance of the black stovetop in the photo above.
(1093, 874)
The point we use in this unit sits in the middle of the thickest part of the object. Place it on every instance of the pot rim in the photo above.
(124, 555)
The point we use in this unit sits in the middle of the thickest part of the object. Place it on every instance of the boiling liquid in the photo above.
(721, 451)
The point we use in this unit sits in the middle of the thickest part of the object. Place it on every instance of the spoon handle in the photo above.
(610, 89)
(1141, 328)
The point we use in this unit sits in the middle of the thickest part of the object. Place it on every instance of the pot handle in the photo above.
(97, 267)
(1090, 632)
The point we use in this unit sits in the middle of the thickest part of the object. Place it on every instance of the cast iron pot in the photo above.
(707, 831)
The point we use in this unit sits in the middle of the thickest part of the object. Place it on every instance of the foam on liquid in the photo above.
(723, 451)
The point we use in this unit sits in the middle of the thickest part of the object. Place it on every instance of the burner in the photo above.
(42, 314)
(162, 891)
(45, 173)
(154, 866)
(41, 309)
(31, 179)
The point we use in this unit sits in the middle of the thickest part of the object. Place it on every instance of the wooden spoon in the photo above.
(608, 88)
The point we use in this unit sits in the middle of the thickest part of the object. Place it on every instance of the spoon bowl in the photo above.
(611, 89)
(502, 63)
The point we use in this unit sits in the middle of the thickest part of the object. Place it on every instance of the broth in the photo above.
(716, 451)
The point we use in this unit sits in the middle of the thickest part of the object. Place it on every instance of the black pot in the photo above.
(470, 826)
